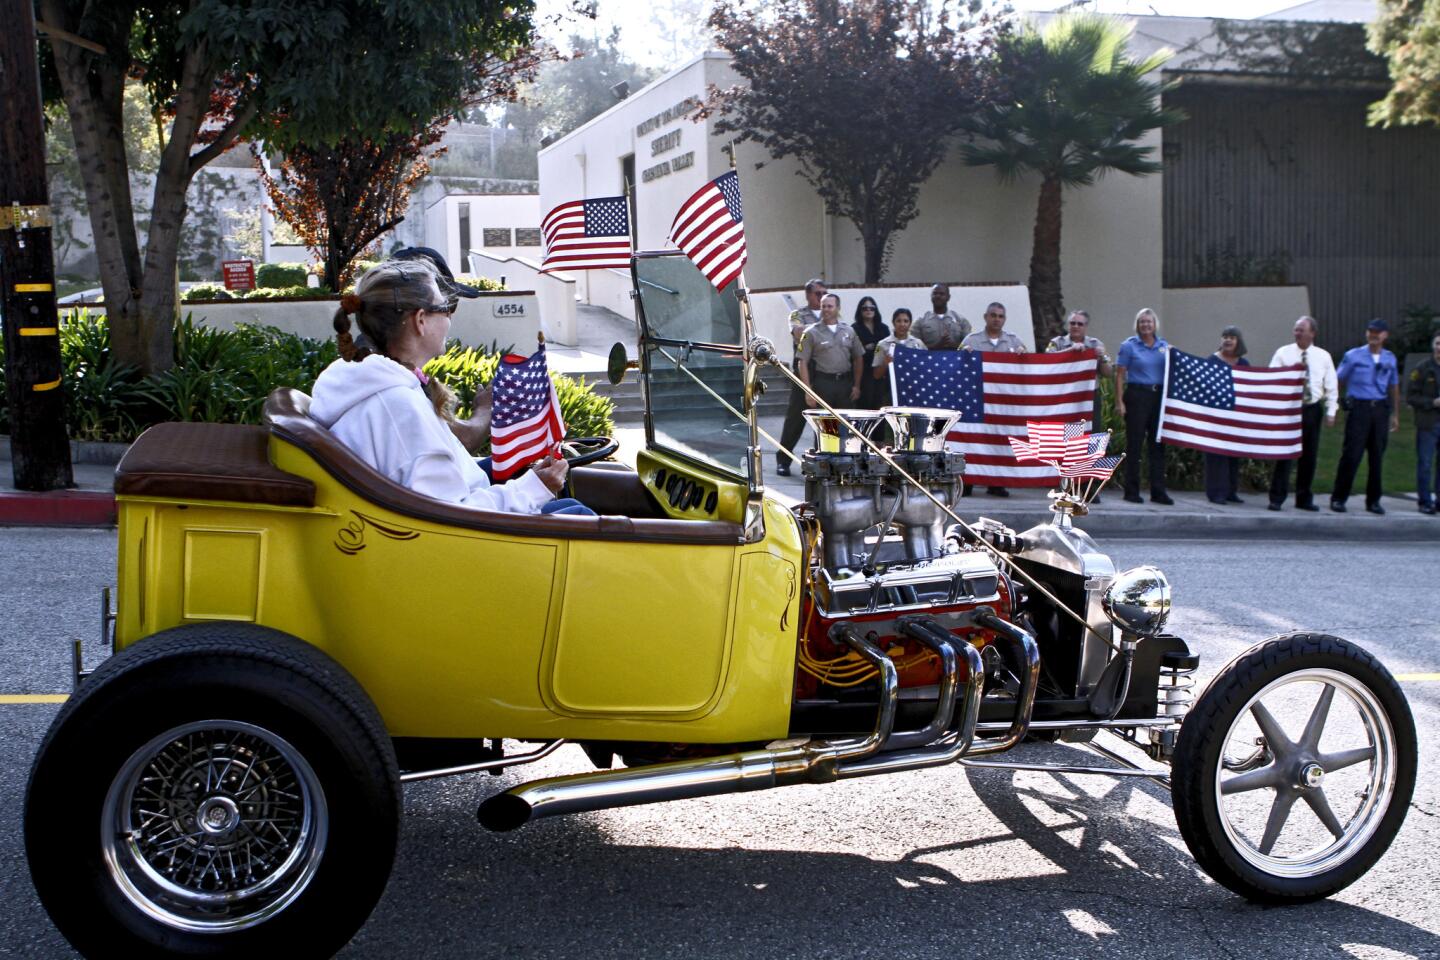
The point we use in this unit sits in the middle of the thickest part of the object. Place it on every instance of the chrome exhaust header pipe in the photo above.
(947, 749)
(939, 640)
(1029, 657)
(780, 764)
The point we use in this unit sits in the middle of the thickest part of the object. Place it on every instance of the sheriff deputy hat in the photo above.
(445, 279)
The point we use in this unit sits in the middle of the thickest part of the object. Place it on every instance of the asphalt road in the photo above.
(927, 864)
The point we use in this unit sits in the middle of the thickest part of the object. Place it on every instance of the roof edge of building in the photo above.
(707, 55)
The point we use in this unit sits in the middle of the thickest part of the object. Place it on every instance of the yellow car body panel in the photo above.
(459, 633)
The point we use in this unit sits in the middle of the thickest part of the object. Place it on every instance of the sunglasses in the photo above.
(447, 308)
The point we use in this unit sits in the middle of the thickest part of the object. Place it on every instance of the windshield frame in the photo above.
(737, 351)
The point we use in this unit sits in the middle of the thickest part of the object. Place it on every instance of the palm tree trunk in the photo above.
(1047, 305)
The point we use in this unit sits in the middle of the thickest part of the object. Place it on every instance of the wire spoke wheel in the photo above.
(214, 826)
(1326, 774)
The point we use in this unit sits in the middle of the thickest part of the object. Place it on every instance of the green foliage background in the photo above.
(224, 376)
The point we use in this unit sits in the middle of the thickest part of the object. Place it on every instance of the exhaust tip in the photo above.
(503, 812)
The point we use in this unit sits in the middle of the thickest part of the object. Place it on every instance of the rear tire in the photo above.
(213, 791)
(1294, 770)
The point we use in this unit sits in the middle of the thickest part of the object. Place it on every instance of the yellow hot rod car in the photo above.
(295, 637)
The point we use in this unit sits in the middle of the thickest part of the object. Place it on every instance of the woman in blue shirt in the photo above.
(1139, 380)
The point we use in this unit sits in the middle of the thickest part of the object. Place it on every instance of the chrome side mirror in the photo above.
(1138, 601)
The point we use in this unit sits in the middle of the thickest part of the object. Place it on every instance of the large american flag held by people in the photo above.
(998, 395)
(1238, 411)
(525, 424)
(587, 235)
(710, 230)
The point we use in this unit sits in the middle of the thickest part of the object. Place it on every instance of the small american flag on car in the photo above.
(1239, 411)
(525, 424)
(587, 235)
(709, 229)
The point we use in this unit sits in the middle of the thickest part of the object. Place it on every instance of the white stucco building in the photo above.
(496, 224)
(1119, 252)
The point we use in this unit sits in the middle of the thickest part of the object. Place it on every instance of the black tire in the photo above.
(303, 748)
(1221, 838)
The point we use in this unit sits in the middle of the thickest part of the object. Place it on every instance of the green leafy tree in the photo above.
(864, 94)
(1078, 107)
(218, 71)
(1407, 34)
(579, 88)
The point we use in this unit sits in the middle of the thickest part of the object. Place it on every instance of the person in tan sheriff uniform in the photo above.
(831, 359)
(941, 328)
(1077, 337)
(794, 413)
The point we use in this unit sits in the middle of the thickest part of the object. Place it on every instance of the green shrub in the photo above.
(481, 283)
(287, 293)
(276, 275)
(207, 291)
(466, 369)
(224, 376)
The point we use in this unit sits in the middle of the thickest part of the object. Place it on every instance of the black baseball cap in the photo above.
(446, 280)
(1378, 324)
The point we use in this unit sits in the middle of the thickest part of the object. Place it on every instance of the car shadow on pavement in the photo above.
(1027, 865)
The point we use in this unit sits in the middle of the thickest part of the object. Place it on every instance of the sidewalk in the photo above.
(92, 503)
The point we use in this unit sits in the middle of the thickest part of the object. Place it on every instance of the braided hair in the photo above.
(383, 298)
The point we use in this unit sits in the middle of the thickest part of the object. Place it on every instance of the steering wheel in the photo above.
(579, 451)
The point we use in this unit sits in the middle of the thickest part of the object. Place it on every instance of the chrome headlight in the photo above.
(1138, 601)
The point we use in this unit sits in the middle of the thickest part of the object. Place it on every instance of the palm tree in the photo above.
(1077, 107)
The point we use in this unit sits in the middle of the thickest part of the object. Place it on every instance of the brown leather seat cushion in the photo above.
(287, 412)
(209, 461)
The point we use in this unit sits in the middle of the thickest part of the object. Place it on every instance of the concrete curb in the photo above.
(57, 508)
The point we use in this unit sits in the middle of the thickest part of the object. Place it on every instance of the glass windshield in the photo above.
(697, 393)
(680, 304)
(696, 405)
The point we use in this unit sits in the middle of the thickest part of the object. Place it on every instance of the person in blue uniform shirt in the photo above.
(1371, 378)
(1139, 379)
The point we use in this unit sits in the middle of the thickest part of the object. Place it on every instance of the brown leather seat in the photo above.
(287, 412)
(209, 461)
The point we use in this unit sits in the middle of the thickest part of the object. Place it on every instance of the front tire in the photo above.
(1294, 770)
(214, 791)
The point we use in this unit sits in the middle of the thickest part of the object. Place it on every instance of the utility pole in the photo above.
(39, 446)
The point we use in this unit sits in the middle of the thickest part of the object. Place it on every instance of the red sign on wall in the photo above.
(239, 274)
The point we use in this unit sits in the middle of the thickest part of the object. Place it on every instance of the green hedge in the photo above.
(278, 275)
(224, 376)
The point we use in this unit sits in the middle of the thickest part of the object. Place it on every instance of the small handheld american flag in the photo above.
(525, 425)
(710, 230)
(587, 235)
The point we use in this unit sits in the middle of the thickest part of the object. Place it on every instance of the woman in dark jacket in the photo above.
(1222, 473)
(871, 330)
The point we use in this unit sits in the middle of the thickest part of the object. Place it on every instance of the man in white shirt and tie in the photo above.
(1321, 399)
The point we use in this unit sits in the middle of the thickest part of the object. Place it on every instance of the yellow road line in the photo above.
(34, 697)
(1417, 677)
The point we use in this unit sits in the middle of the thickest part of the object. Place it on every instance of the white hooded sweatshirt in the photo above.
(378, 409)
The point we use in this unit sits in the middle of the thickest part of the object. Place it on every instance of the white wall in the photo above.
(501, 317)
(555, 294)
(1192, 317)
(506, 210)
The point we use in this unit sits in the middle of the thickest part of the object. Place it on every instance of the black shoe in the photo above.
(997, 491)
(1337, 506)
(1133, 498)
(783, 468)
(1308, 507)
(969, 489)
(1162, 498)
(1233, 499)
(1375, 508)
(1096, 499)
(1427, 508)
(1276, 507)
(1218, 501)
